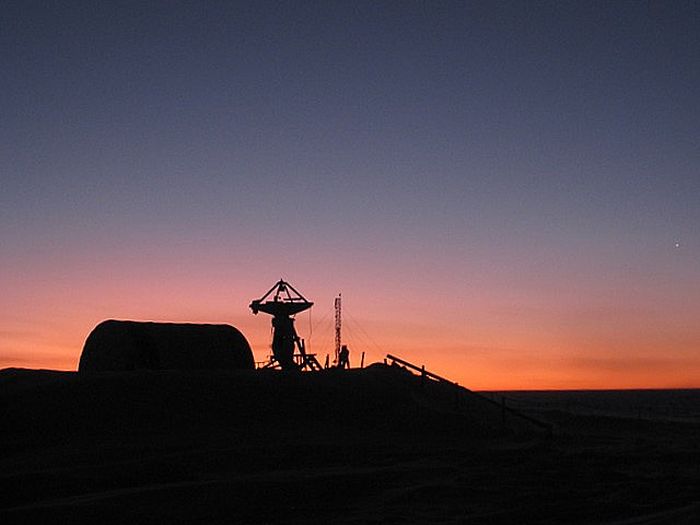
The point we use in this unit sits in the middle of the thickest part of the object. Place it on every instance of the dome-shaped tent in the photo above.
(131, 345)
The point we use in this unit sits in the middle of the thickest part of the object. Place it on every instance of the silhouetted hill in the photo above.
(242, 407)
(364, 446)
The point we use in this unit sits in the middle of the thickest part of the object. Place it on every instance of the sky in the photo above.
(506, 192)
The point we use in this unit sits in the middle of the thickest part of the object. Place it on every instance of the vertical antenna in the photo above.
(338, 326)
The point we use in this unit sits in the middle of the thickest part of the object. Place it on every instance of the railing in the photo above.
(504, 409)
(422, 370)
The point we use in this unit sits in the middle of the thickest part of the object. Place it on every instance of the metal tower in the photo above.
(338, 326)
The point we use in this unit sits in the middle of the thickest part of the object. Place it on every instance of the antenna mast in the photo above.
(338, 326)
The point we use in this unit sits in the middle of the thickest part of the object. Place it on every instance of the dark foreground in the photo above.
(367, 446)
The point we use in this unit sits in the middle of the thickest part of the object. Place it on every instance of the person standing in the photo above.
(344, 357)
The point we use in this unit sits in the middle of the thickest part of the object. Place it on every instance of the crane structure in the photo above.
(283, 302)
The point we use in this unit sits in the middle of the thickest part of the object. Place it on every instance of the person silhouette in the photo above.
(344, 357)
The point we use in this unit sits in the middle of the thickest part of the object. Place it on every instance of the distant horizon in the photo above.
(489, 390)
(495, 390)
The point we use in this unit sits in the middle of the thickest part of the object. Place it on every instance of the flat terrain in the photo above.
(376, 445)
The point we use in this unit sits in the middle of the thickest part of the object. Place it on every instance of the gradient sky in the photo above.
(508, 192)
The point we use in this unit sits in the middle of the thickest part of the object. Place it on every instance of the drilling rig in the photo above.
(283, 302)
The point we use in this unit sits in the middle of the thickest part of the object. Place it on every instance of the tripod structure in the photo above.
(283, 302)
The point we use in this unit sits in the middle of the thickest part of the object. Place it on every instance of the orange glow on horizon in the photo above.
(560, 336)
(481, 361)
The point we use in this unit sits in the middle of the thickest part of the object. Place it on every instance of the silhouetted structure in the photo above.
(282, 301)
(131, 345)
(338, 326)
